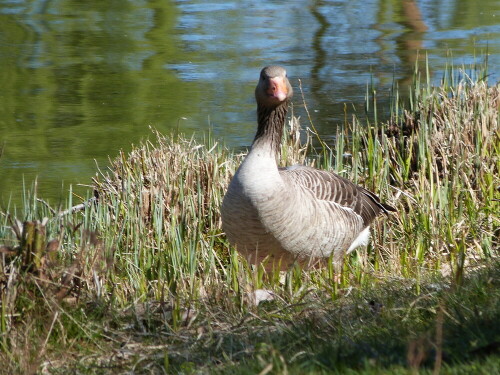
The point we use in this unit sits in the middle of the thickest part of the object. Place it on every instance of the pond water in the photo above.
(80, 80)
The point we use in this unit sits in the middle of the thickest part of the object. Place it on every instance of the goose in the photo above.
(278, 216)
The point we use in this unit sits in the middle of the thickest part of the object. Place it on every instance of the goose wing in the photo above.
(329, 186)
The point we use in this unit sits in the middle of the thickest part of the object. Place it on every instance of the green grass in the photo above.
(142, 280)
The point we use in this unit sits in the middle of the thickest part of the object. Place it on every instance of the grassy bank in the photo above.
(141, 279)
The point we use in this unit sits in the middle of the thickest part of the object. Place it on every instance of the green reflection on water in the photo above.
(77, 86)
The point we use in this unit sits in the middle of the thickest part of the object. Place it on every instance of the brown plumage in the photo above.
(299, 213)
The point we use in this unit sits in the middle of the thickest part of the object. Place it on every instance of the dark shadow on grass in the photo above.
(382, 327)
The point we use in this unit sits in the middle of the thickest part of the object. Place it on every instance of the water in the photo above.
(81, 80)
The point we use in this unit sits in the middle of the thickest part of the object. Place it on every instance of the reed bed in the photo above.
(142, 280)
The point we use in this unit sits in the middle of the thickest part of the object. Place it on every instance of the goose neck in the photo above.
(271, 122)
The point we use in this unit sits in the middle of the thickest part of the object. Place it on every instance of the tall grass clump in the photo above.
(163, 202)
(140, 278)
(441, 161)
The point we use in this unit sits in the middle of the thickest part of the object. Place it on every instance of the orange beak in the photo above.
(277, 88)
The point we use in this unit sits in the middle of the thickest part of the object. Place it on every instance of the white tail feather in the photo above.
(362, 240)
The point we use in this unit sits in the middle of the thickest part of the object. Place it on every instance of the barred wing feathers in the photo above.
(331, 187)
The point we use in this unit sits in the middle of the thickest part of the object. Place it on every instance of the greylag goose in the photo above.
(279, 216)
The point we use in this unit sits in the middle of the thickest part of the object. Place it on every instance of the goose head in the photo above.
(273, 88)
